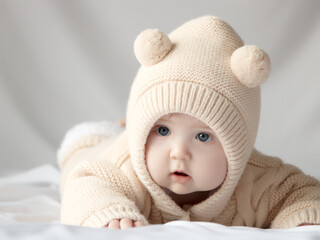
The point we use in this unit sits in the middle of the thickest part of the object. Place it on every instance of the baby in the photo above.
(187, 151)
(190, 162)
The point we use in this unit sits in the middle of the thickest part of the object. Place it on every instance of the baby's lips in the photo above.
(180, 178)
(180, 173)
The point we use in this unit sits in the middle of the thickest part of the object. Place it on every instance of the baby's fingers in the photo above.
(126, 223)
(114, 224)
(123, 224)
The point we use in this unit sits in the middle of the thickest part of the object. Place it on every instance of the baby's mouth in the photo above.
(180, 174)
(180, 177)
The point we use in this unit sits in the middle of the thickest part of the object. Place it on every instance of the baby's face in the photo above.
(184, 155)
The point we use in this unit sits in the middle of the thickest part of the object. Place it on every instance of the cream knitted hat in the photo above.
(204, 70)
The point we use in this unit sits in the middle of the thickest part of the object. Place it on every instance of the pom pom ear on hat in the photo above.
(151, 46)
(251, 65)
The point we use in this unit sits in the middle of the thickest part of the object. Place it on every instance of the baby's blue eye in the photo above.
(203, 137)
(163, 131)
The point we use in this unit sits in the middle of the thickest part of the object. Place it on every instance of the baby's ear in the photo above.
(251, 65)
(151, 46)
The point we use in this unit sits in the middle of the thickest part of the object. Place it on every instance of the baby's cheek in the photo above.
(149, 146)
(153, 159)
(209, 175)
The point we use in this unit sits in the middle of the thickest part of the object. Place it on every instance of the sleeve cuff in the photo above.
(310, 215)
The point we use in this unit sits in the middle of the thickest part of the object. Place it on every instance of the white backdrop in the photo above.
(64, 62)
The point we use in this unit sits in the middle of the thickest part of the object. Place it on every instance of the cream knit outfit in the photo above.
(202, 69)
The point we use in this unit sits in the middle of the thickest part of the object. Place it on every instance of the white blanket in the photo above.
(30, 205)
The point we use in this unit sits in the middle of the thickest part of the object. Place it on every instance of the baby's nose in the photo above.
(180, 151)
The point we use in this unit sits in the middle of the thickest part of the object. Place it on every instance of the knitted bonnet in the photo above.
(202, 69)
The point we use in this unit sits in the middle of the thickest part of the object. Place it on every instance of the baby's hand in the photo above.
(123, 224)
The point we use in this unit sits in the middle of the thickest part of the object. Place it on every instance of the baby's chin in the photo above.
(182, 191)
(188, 197)
(175, 191)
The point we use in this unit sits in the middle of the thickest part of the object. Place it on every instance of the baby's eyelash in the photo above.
(210, 137)
(155, 128)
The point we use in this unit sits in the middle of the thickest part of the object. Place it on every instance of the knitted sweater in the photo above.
(99, 184)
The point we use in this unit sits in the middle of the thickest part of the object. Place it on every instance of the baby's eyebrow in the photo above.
(194, 127)
(167, 118)
(206, 127)
(170, 121)
(164, 120)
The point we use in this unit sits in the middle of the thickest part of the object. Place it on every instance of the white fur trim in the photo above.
(104, 128)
